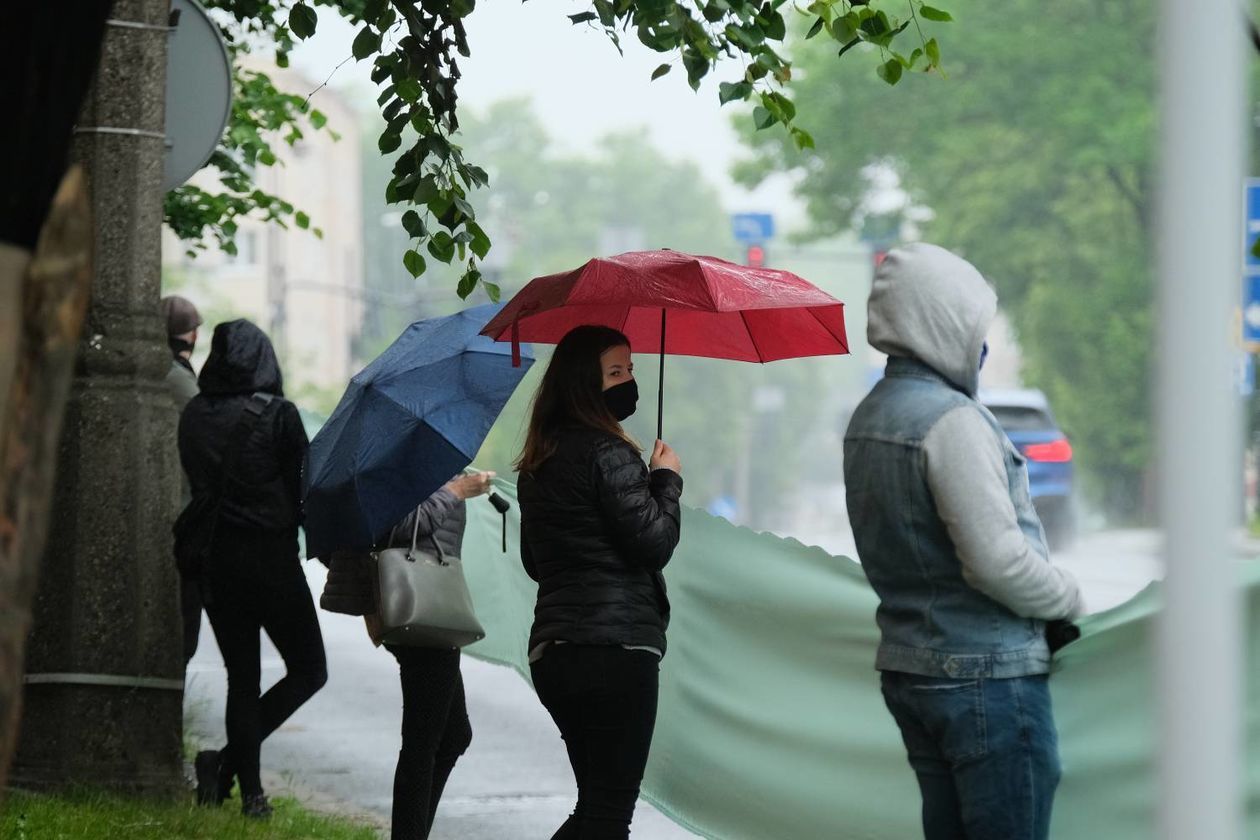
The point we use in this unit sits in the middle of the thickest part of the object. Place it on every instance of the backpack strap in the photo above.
(254, 409)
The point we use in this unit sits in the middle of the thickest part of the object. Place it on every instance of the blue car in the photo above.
(1026, 418)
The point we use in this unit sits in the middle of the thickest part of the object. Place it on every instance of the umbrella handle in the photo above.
(660, 394)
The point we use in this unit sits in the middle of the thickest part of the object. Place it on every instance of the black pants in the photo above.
(190, 609)
(258, 585)
(603, 699)
(435, 733)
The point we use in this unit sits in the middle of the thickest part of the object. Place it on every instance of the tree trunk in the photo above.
(42, 305)
(104, 673)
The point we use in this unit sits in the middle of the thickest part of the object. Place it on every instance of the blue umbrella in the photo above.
(407, 423)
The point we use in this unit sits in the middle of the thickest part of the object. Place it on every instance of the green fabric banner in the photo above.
(771, 723)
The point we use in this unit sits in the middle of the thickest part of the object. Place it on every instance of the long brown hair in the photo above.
(571, 392)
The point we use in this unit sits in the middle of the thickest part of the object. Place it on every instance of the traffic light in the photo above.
(756, 256)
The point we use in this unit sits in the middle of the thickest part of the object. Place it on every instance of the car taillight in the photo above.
(1055, 452)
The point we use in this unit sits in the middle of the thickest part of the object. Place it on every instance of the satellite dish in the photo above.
(198, 92)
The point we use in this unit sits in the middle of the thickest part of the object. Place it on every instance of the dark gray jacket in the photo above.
(351, 584)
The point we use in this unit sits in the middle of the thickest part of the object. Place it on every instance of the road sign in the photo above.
(1252, 229)
(758, 227)
(198, 93)
(1251, 268)
(1251, 309)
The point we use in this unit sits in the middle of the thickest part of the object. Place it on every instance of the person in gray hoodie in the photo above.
(947, 535)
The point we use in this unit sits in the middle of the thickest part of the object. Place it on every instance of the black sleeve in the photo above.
(641, 510)
(291, 445)
(431, 513)
(527, 560)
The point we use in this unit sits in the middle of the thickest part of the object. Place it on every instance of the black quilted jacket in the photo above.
(596, 530)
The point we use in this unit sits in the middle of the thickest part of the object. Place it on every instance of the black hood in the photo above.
(242, 361)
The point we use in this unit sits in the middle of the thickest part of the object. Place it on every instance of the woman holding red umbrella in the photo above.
(597, 528)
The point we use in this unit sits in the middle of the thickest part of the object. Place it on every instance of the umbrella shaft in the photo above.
(660, 394)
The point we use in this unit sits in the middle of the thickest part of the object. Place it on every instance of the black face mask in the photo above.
(179, 345)
(622, 399)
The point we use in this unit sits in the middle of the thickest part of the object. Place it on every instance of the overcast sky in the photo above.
(581, 87)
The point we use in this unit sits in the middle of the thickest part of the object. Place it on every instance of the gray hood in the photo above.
(932, 306)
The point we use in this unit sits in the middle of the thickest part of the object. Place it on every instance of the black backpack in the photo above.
(195, 527)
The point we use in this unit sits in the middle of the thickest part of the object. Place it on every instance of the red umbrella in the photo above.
(713, 308)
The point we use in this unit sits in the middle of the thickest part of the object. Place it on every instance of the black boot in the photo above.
(206, 766)
(256, 807)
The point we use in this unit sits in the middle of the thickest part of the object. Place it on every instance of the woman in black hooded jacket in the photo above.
(597, 528)
(253, 578)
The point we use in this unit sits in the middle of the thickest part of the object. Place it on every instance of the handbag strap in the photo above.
(415, 535)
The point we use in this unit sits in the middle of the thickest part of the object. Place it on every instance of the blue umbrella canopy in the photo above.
(406, 424)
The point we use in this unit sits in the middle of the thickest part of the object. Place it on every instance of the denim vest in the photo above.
(932, 622)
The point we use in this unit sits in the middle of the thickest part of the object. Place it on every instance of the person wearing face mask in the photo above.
(182, 320)
(597, 528)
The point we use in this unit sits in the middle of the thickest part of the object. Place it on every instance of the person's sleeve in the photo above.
(292, 455)
(640, 510)
(966, 472)
(527, 560)
(430, 513)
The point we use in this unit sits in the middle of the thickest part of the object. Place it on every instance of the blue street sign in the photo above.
(1251, 267)
(756, 228)
(1252, 226)
(1251, 309)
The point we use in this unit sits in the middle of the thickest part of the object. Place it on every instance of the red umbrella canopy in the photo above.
(713, 308)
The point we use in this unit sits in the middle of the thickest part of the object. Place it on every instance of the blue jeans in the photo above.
(985, 752)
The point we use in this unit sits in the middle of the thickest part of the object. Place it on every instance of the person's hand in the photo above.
(664, 457)
(375, 629)
(471, 485)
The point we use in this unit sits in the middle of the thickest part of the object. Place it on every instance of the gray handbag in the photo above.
(424, 599)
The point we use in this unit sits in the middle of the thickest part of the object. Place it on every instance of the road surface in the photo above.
(339, 750)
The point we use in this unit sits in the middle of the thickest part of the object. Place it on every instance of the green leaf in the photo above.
(933, 51)
(414, 261)
(605, 11)
(408, 90)
(365, 43)
(468, 283)
(845, 29)
(426, 190)
(762, 118)
(583, 17)
(776, 30)
(302, 220)
(389, 142)
(729, 91)
(890, 71)
(302, 20)
(267, 157)
(932, 13)
(318, 119)
(414, 225)
(464, 207)
(815, 29)
(660, 71)
(442, 247)
(802, 138)
(480, 242)
(493, 290)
